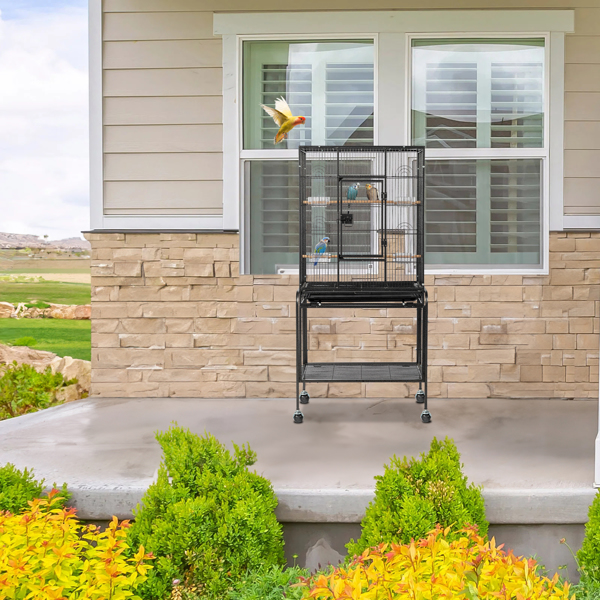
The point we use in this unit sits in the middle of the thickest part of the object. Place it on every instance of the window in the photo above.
(478, 105)
(331, 83)
(478, 99)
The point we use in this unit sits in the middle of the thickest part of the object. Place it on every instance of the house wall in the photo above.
(171, 317)
(163, 105)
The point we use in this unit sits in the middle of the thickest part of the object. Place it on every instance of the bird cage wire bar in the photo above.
(361, 246)
(367, 203)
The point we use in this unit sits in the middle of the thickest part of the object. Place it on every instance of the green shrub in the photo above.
(25, 341)
(207, 519)
(588, 556)
(37, 304)
(274, 583)
(17, 488)
(586, 589)
(413, 495)
(23, 389)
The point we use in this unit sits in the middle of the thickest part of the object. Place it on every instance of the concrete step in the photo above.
(534, 458)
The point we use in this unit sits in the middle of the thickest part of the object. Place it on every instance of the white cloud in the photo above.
(44, 123)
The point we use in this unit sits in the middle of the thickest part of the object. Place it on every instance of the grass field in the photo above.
(65, 338)
(44, 291)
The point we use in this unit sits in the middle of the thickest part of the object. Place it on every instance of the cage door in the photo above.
(361, 218)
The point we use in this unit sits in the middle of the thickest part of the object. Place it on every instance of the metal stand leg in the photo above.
(425, 415)
(304, 396)
(420, 395)
(298, 416)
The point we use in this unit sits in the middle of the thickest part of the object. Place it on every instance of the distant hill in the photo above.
(20, 240)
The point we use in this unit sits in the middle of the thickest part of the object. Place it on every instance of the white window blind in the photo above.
(451, 201)
(346, 116)
(517, 104)
(349, 104)
(274, 211)
(472, 101)
(478, 94)
(483, 211)
(331, 83)
(515, 191)
(449, 119)
(294, 83)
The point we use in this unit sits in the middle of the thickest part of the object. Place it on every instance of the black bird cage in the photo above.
(361, 246)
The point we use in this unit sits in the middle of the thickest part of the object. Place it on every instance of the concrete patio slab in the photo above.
(535, 458)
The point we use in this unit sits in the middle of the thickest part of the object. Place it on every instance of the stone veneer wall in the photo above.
(171, 316)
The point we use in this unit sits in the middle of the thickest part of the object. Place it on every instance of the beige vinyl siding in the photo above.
(162, 54)
(582, 114)
(163, 166)
(163, 138)
(163, 93)
(157, 26)
(177, 110)
(162, 113)
(154, 195)
(582, 135)
(163, 82)
(582, 107)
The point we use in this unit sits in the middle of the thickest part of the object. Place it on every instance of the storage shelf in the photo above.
(362, 372)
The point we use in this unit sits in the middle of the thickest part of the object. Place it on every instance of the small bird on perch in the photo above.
(321, 248)
(282, 115)
(372, 193)
(352, 192)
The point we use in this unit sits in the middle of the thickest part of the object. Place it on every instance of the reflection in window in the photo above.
(483, 211)
(478, 93)
(273, 222)
(329, 83)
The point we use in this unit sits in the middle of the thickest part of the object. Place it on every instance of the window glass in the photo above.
(483, 212)
(478, 93)
(272, 187)
(330, 83)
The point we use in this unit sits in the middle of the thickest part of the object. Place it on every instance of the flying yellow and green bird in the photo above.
(282, 115)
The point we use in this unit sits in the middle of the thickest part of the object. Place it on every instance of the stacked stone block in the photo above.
(171, 316)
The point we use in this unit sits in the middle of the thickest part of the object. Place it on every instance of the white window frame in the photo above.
(542, 153)
(246, 156)
(393, 32)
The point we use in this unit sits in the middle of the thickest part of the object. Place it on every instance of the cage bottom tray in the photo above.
(362, 372)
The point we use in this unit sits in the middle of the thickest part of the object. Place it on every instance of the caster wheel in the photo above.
(304, 397)
(298, 417)
(426, 416)
(420, 397)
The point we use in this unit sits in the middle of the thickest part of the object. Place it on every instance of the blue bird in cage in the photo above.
(320, 248)
(352, 192)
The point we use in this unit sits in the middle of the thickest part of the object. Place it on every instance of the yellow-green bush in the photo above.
(589, 554)
(470, 567)
(47, 554)
(415, 494)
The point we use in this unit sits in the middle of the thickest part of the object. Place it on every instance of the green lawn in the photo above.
(61, 336)
(45, 291)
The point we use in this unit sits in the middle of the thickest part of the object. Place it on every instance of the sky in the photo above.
(44, 117)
